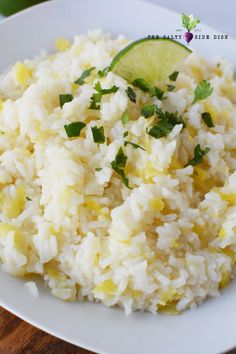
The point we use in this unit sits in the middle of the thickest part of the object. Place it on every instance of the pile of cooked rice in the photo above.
(165, 243)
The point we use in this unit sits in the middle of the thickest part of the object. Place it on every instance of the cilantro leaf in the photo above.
(174, 76)
(159, 93)
(166, 123)
(113, 89)
(29, 199)
(198, 155)
(148, 111)
(142, 85)
(170, 88)
(74, 129)
(98, 169)
(125, 134)
(120, 159)
(135, 146)
(145, 87)
(98, 135)
(95, 99)
(125, 117)
(208, 119)
(65, 98)
(104, 72)
(131, 94)
(202, 91)
(84, 75)
(118, 166)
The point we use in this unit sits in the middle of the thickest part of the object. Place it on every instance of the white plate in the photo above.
(211, 328)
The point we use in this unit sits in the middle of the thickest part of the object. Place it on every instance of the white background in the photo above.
(219, 14)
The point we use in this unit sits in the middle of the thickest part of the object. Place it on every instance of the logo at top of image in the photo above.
(189, 23)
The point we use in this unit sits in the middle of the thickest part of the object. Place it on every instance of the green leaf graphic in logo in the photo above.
(189, 22)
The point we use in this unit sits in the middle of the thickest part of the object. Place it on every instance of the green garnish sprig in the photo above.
(167, 121)
(96, 97)
(202, 91)
(98, 135)
(73, 129)
(198, 155)
(65, 98)
(118, 165)
(145, 87)
(84, 75)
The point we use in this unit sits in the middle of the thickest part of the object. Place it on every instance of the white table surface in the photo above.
(218, 14)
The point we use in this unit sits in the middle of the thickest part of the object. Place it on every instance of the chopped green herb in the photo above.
(84, 75)
(103, 73)
(174, 76)
(95, 101)
(120, 159)
(29, 199)
(125, 134)
(142, 85)
(202, 91)
(198, 155)
(145, 87)
(98, 169)
(74, 129)
(131, 94)
(207, 119)
(135, 146)
(65, 98)
(118, 166)
(96, 97)
(170, 88)
(159, 93)
(148, 111)
(125, 118)
(166, 123)
(98, 135)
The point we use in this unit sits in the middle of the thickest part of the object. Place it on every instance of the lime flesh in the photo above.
(150, 59)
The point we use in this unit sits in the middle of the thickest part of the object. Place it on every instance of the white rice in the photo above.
(166, 244)
(32, 288)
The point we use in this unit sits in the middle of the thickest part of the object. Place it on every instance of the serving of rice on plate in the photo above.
(114, 214)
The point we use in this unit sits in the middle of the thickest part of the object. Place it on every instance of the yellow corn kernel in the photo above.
(157, 204)
(169, 308)
(5, 228)
(1, 105)
(167, 296)
(210, 109)
(197, 72)
(19, 240)
(175, 164)
(175, 244)
(65, 195)
(202, 174)
(12, 207)
(228, 197)
(107, 287)
(22, 74)
(225, 279)
(74, 88)
(222, 233)
(91, 204)
(62, 44)
(136, 293)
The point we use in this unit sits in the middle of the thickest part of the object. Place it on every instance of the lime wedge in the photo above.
(150, 59)
(9, 7)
